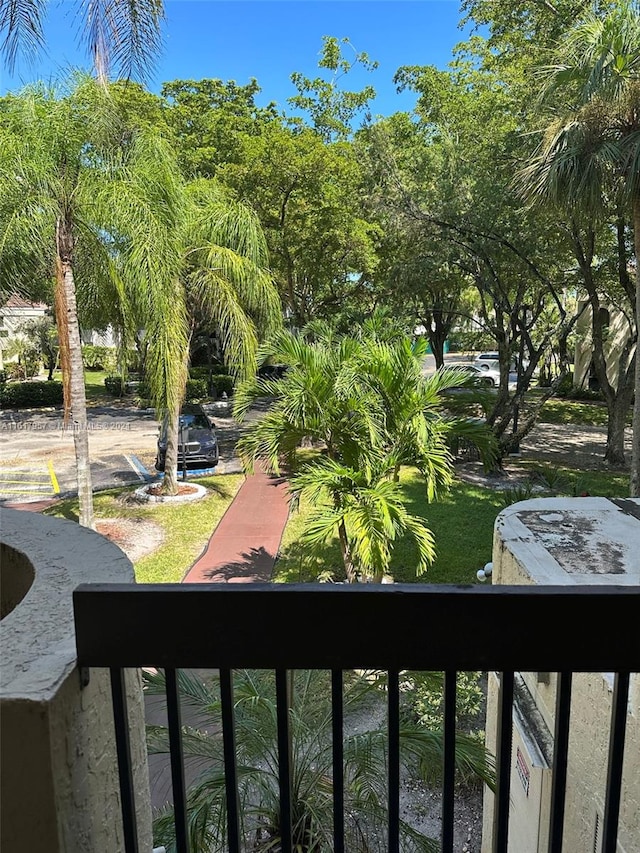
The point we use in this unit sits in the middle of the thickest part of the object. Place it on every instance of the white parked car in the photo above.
(487, 366)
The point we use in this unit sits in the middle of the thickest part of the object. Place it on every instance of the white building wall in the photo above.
(569, 541)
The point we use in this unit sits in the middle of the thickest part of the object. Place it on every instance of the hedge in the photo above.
(26, 395)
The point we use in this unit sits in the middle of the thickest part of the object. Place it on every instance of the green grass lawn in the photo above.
(579, 412)
(462, 523)
(187, 526)
(574, 481)
(93, 385)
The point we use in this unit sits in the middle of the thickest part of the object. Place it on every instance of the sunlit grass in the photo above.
(462, 524)
(187, 527)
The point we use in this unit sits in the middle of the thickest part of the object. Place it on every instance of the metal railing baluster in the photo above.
(448, 796)
(123, 751)
(393, 696)
(337, 727)
(617, 734)
(176, 754)
(230, 768)
(560, 755)
(283, 703)
(503, 763)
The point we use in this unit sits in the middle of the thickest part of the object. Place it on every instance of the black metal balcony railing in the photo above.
(392, 628)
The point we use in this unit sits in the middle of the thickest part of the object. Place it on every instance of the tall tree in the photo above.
(591, 150)
(100, 216)
(222, 276)
(307, 195)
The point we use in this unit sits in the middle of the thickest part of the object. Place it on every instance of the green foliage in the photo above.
(310, 720)
(222, 383)
(196, 389)
(215, 383)
(461, 340)
(24, 395)
(365, 401)
(98, 358)
(464, 507)
(115, 385)
(515, 494)
(333, 110)
(425, 693)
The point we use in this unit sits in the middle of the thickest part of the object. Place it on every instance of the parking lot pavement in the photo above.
(37, 459)
(31, 482)
(37, 456)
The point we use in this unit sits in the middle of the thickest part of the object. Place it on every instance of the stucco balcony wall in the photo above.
(59, 779)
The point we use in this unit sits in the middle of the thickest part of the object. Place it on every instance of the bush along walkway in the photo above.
(244, 546)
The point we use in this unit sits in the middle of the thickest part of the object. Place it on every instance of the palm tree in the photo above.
(125, 33)
(51, 177)
(365, 404)
(590, 152)
(223, 278)
(311, 763)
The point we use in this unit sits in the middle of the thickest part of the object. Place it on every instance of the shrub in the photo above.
(24, 395)
(3, 377)
(196, 389)
(565, 385)
(98, 358)
(114, 385)
(585, 394)
(221, 382)
(469, 341)
(426, 698)
(216, 384)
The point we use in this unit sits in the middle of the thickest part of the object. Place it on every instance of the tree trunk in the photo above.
(170, 482)
(350, 569)
(70, 344)
(634, 480)
(616, 421)
(171, 461)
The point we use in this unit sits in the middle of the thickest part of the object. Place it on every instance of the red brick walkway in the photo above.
(244, 546)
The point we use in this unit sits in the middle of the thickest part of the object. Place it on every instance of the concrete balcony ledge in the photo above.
(59, 779)
(50, 557)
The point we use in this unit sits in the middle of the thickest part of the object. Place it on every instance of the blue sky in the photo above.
(240, 39)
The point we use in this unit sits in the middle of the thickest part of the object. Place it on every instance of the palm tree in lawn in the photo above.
(122, 33)
(47, 189)
(223, 277)
(366, 406)
(310, 721)
(591, 151)
(100, 220)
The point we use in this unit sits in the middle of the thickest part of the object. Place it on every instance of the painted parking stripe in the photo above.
(141, 471)
(29, 481)
(54, 479)
(38, 483)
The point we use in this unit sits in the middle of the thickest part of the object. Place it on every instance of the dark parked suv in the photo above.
(197, 440)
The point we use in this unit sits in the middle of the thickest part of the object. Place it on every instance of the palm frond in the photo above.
(21, 23)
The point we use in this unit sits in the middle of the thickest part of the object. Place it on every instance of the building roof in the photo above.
(16, 301)
(574, 540)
